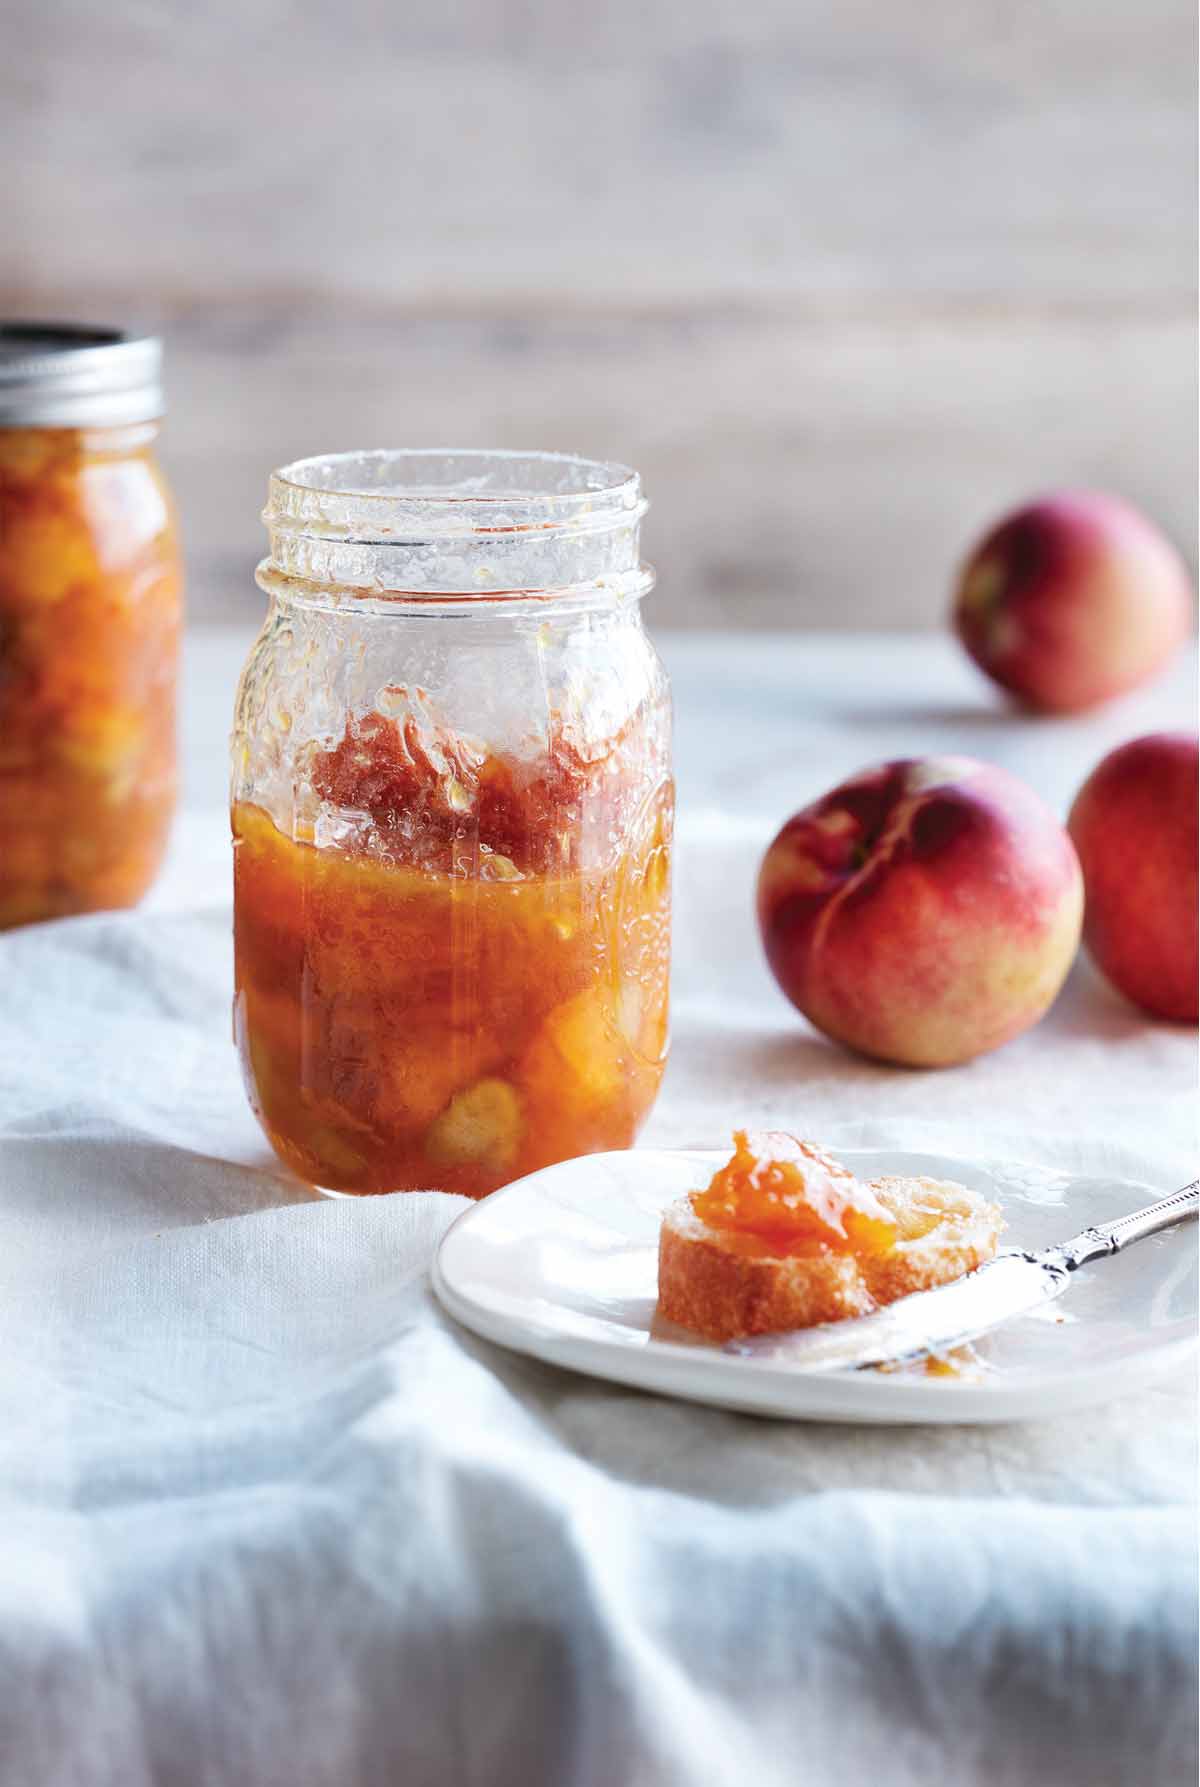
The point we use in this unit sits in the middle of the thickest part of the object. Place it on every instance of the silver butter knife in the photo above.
(933, 1321)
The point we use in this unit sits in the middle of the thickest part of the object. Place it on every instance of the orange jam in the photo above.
(435, 986)
(89, 628)
(791, 1195)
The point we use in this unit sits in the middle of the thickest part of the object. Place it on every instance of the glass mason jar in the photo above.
(90, 595)
(452, 809)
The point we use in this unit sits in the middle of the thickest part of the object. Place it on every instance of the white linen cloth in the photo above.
(269, 1518)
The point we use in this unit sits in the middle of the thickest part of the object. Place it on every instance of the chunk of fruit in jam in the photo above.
(482, 1123)
(419, 781)
(790, 1193)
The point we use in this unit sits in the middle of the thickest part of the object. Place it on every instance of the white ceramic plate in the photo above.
(563, 1265)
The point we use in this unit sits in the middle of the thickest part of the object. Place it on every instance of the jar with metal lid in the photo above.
(90, 609)
(452, 807)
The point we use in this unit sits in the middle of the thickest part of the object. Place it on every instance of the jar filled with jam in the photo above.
(90, 595)
(452, 808)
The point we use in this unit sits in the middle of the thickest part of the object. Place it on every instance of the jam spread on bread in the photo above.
(786, 1237)
(791, 1194)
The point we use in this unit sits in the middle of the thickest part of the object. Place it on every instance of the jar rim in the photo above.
(413, 493)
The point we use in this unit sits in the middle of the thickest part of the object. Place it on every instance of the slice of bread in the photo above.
(725, 1283)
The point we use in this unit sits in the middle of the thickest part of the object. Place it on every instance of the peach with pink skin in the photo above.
(923, 912)
(1072, 599)
(1134, 823)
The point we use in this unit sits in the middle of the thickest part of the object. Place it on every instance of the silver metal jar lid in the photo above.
(68, 375)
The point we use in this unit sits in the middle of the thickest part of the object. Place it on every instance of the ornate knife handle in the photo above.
(1111, 1237)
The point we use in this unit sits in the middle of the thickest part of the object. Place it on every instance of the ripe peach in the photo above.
(1072, 599)
(924, 911)
(1134, 824)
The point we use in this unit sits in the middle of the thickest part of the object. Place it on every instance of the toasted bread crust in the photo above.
(706, 1285)
(721, 1285)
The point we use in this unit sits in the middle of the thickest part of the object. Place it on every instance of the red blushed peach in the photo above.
(1072, 599)
(1134, 824)
(923, 912)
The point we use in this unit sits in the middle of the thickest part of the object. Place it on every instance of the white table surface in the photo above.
(269, 1518)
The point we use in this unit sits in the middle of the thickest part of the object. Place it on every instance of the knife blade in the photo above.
(1011, 1285)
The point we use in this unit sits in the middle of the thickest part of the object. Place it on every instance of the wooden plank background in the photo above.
(842, 277)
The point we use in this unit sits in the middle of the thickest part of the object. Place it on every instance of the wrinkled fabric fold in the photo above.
(270, 1517)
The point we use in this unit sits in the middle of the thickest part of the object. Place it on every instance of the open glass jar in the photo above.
(90, 596)
(452, 809)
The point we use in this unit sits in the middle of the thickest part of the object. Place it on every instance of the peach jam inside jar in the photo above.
(452, 808)
(90, 598)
